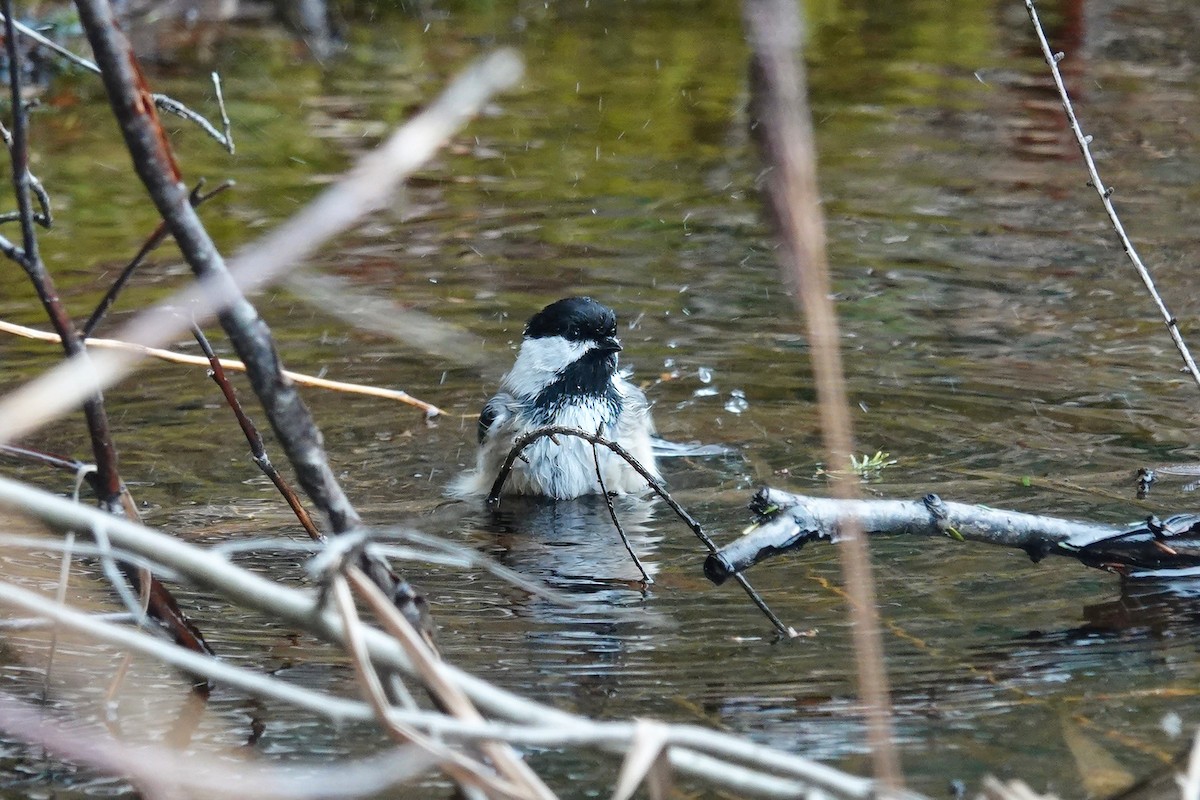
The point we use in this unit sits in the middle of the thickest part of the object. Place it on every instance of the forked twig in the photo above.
(152, 241)
(161, 100)
(655, 485)
(1105, 194)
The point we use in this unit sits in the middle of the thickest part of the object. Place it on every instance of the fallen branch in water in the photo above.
(789, 521)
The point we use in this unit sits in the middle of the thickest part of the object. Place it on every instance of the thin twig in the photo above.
(232, 365)
(226, 127)
(45, 218)
(612, 513)
(655, 485)
(109, 566)
(60, 597)
(18, 147)
(66, 463)
(258, 450)
(1105, 192)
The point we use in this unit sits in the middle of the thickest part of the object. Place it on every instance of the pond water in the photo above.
(997, 346)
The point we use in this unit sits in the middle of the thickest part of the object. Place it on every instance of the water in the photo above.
(996, 345)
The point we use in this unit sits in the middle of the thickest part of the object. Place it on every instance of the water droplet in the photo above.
(706, 391)
(737, 402)
(704, 374)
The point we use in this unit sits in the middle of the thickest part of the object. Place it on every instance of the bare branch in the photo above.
(257, 449)
(230, 365)
(163, 101)
(725, 760)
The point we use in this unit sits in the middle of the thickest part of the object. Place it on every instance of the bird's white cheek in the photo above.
(540, 361)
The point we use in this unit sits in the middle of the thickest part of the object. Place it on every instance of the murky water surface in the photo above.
(997, 345)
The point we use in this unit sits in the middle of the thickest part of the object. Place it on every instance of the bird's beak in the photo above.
(610, 344)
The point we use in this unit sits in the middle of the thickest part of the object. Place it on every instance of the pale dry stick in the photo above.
(646, 762)
(427, 664)
(64, 577)
(1105, 193)
(230, 364)
(786, 139)
(468, 773)
(556, 733)
(726, 760)
(554, 730)
(1189, 783)
(366, 188)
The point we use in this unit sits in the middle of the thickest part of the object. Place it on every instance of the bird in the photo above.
(565, 375)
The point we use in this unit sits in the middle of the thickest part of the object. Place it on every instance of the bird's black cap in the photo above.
(578, 319)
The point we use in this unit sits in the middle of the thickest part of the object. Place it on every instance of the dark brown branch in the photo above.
(152, 242)
(107, 483)
(257, 450)
(789, 521)
(522, 442)
(251, 338)
(154, 161)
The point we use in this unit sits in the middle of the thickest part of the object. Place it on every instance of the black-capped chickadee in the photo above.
(566, 374)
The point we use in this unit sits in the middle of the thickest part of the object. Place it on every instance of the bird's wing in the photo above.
(634, 406)
(494, 413)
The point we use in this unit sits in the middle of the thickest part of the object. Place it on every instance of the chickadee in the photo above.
(566, 374)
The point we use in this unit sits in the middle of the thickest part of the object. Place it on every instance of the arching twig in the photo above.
(655, 485)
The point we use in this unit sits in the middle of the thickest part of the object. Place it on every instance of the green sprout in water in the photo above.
(866, 468)
(870, 465)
